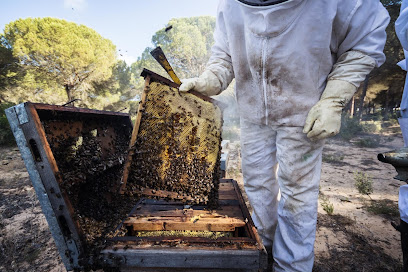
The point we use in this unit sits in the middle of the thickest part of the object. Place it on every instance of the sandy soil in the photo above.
(26, 243)
(350, 239)
(353, 238)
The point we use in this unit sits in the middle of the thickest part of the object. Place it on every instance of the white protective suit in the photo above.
(401, 28)
(281, 57)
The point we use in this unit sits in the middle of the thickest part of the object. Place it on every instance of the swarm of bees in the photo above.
(177, 149)
(90, 153)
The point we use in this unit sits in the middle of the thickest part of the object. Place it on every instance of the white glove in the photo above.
(207, 84)
(324, 119)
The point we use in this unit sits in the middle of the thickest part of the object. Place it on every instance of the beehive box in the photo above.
(170, 236)
(176, 145)
(75, 159)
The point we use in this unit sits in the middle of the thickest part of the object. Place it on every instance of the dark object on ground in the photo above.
(403, 229)
(398, 159)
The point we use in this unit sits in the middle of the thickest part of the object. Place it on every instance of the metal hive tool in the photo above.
(175, 150)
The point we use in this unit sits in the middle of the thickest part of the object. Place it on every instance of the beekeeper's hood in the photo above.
(261, 16)
(261, 3)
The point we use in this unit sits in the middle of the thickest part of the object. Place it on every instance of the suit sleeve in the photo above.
(220, 62)
(359, 39)
(401, 25)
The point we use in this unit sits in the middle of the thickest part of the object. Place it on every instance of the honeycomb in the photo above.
(177, 150)
(90, 152)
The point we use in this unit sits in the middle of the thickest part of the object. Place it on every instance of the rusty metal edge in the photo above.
(38, 185)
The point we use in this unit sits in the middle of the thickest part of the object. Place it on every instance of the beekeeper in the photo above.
(296, 63)
(401, 28)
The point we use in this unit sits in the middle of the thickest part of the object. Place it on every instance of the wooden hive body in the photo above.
(76, 162)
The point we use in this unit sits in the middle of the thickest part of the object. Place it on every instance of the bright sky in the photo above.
(129, 24)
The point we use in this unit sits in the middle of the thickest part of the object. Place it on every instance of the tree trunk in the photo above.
(352, 108)
(363, 95)
(386, 105)
(68, 90)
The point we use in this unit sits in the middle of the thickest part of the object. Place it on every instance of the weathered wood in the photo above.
(163, 201)
(172, 253)
(186, 223)
(158, 269)
(251, 226)
(188, 241)
(39, 106)
(181, 258)
(162, 194)
(225, 195)
(46, 167)
(173, 210)
(134, 136)
(175, 217)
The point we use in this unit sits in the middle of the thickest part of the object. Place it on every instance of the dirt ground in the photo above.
(352, 238)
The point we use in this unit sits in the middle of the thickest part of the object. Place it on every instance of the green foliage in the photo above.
(363, 183)
(371, 126)
(370, 142)
(350, 127)
(187, 46)
(10, 72)
(60, 53)
(118, 91)
(383, 207)
(6, 135)
(389, 78)
(333, 158)
(328, 207)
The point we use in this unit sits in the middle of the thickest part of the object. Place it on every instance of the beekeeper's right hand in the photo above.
(207, 84)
